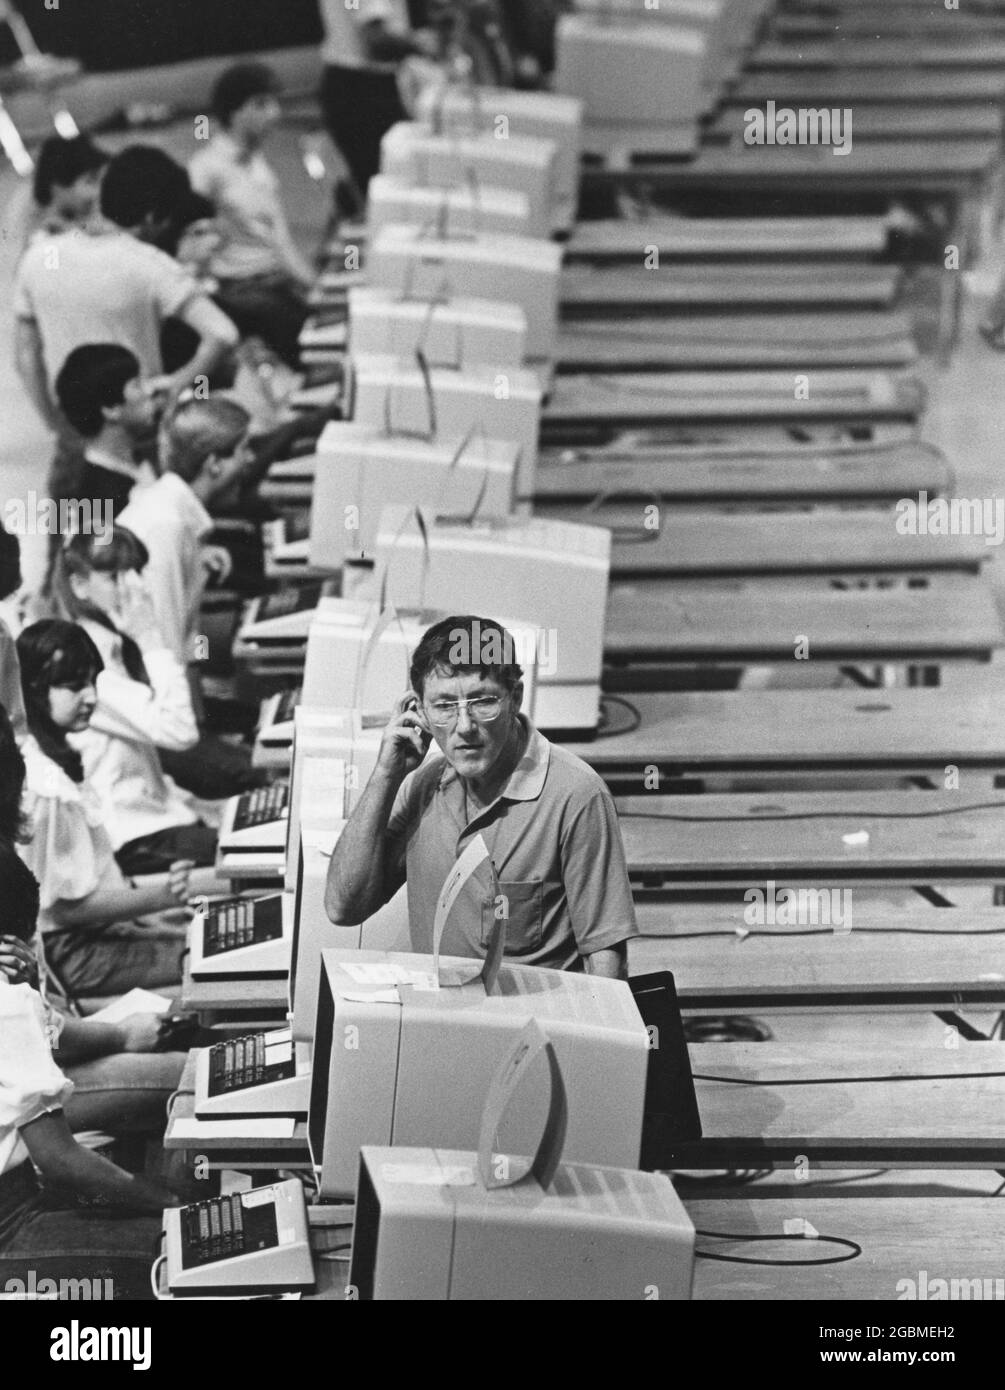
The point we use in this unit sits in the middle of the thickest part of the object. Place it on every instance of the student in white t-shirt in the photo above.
(261, 274)
(103, 283)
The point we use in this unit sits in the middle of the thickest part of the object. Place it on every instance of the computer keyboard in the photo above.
(241, 922)
(224, 1227)
(261, 806)
(247, 1061)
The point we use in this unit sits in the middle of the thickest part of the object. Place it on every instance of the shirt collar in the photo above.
(526, 781)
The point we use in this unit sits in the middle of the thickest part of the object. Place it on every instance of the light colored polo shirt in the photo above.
(248, 201)
(554, 839)
(172, 523)
(99, 286)
(344, 44)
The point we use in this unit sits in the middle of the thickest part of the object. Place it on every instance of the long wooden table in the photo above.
(589, 288)
(706, 541)
(719, 842)
(972, 54)
(926, 958)
(890, 86)
(771, 1103)
(721, 238)
(580, 403)
(947, 1237)
(758, 340)
(916, 733)
(923, 619)
(628, 468)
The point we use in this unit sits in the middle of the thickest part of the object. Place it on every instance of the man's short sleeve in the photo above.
(170, 286)
(595, 875)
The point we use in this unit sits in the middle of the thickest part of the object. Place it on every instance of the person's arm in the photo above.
(218, 337)
(61, 1160)
(152, 893)
(361, 874)
(611, 962)
(82, 1039)
(29, 362)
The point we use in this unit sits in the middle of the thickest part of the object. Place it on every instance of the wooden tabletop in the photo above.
(690, 285)
(900, 730)
(921, 958)
(733, 841)
(711, 541)
(947, 1237)
(986, 51)
(690, 238)
(799, 341)
(891, 1103)
(875, 121)
(233, 996)
(928, 617)
(627, 470)
(888, 85)
(635, 398)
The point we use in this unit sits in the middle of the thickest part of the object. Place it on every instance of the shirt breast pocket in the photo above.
(520, 905)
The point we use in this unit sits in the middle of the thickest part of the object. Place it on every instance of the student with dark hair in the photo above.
(102, 284)
(67, 181)
(548, 820)
(121, 1081)
(144, 703)
(261, 275)
(102, 395)
(92, 943)
(10, 673)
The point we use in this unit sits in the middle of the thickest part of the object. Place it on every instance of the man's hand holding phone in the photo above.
(406, 737)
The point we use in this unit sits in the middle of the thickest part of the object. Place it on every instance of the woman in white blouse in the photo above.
(144, 703)
(92, 942)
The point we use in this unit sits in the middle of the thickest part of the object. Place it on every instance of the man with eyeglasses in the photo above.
(546, 818)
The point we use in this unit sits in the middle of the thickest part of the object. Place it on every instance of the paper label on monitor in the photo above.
(428, 1174)
(468, 864)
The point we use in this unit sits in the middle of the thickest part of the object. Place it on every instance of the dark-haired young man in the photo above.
(262, 275)
(105, 283)
(102, 395)
(546, 818)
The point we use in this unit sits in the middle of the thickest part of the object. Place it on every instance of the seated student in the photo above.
(144, 702)
(104, 284)
(67, 183)
(262, 274)
(548, 820)
(10, 673)
(121, 1082)
(44, 1172)
(102, 395)
(203, 452)
(92, 942)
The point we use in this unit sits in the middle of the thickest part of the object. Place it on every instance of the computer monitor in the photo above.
(555, 572)
(411, 1065)
(427, 1228)
(313, 932)
(394, 392)
(451, 331)
(361, 467)
(352, 664)
(334, 753)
